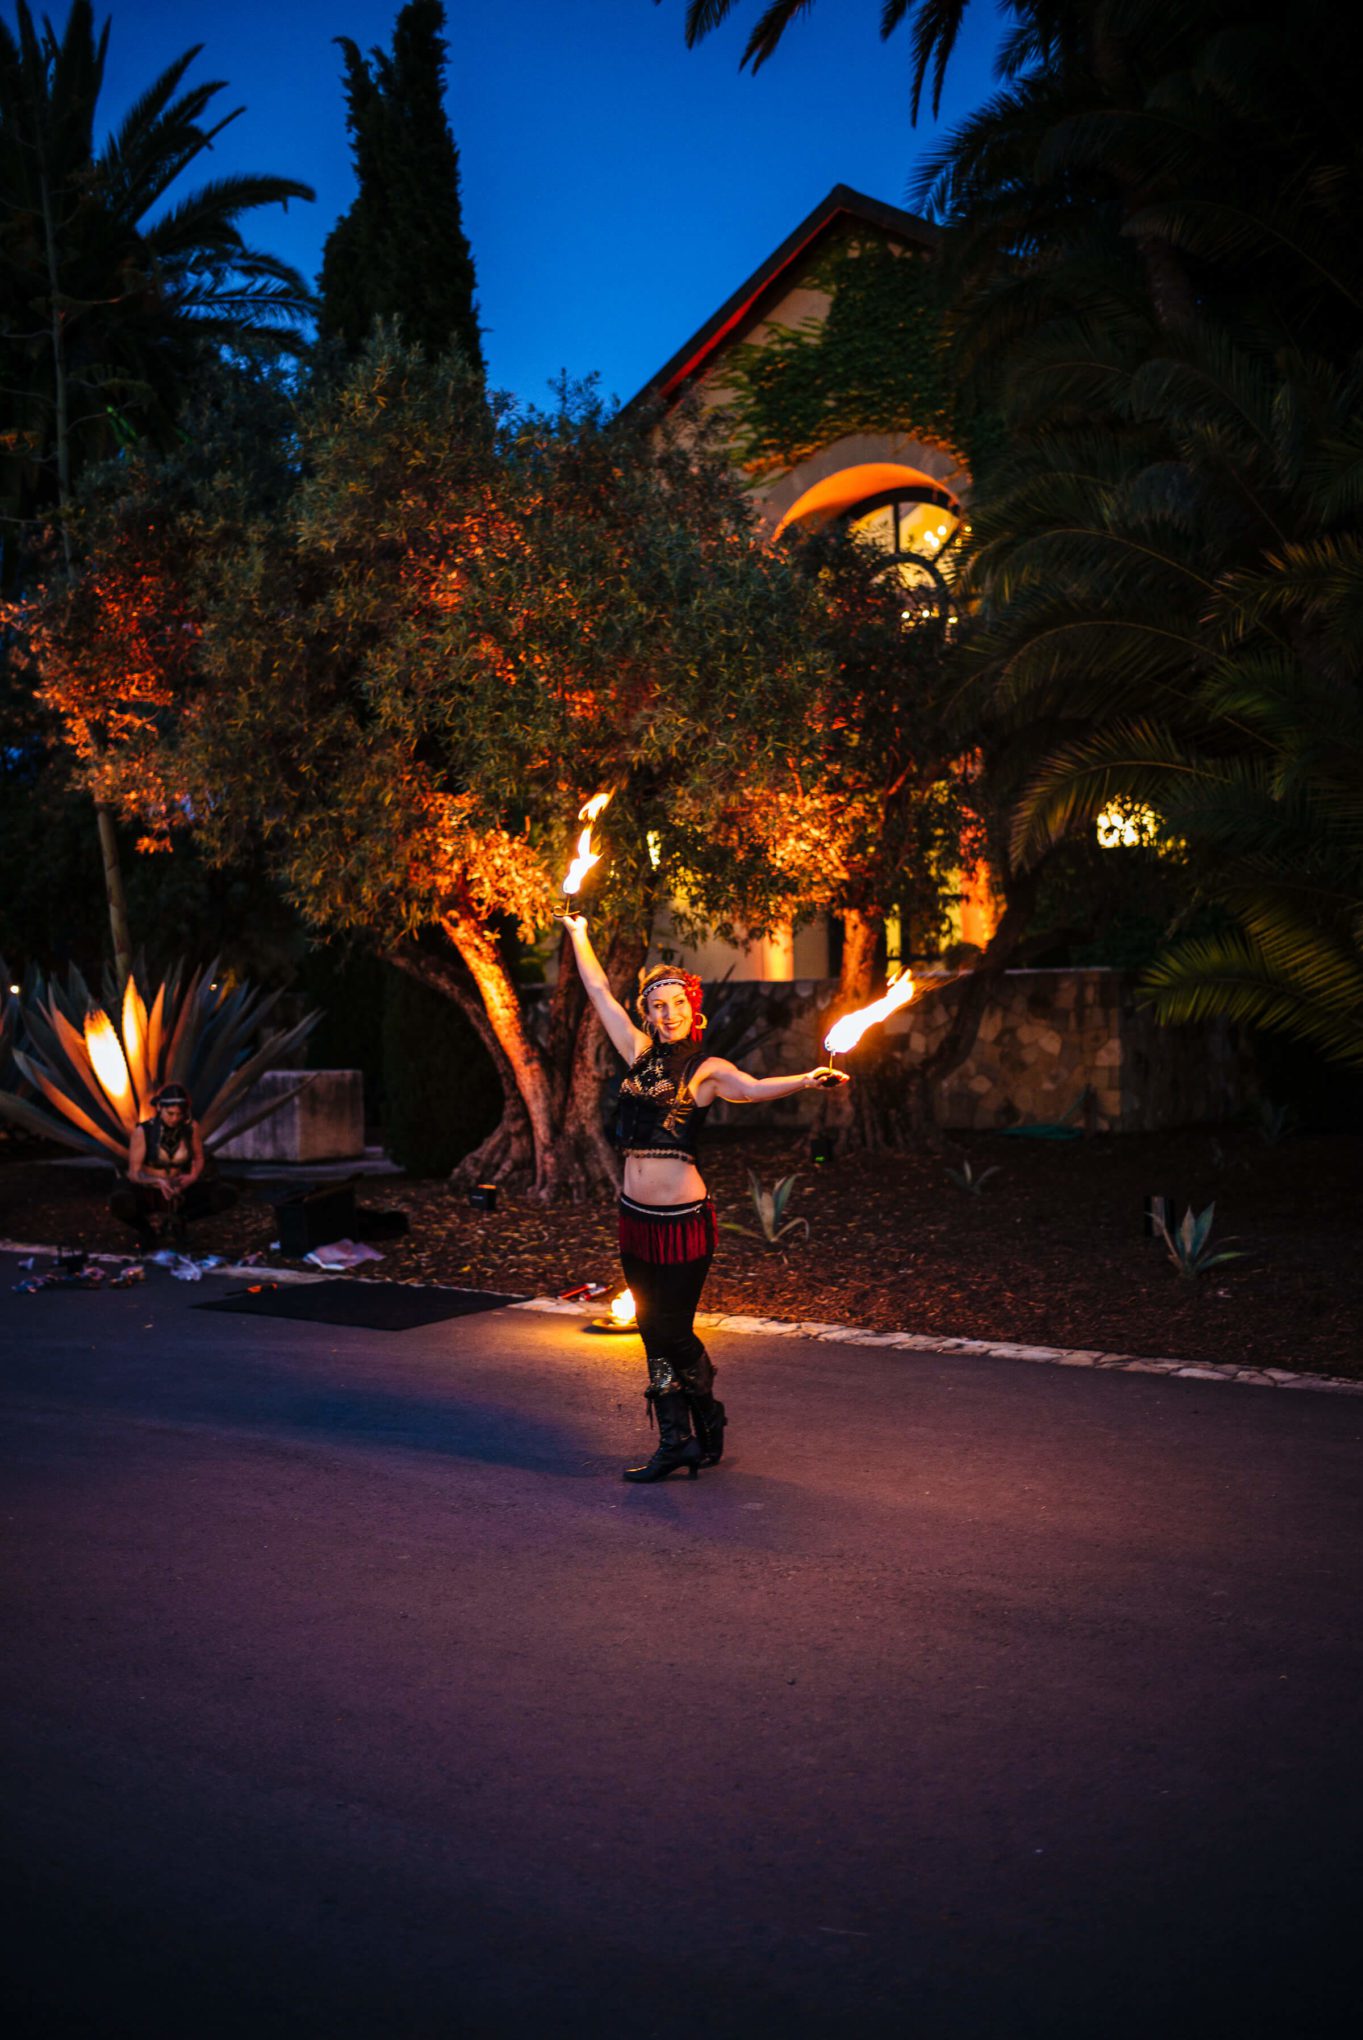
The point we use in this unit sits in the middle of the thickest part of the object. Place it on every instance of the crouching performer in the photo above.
(667, 1220)
(166, 1185)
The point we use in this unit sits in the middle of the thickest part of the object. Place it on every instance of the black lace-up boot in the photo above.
(696, 1375)
(676, 1446)
(707, 1413)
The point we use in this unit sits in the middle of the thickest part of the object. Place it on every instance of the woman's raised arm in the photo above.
(629, 1041)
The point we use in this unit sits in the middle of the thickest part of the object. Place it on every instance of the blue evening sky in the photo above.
(617, 186)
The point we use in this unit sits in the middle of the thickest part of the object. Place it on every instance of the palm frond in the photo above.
(1303, 991)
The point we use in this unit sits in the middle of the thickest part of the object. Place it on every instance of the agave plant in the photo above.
(10, 1079)
(1190, 1247)
(770, 1206)
(87, 1082)
(966, 1179)
(1276, 1122)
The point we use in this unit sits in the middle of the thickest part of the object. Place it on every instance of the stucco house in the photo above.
(827, 368)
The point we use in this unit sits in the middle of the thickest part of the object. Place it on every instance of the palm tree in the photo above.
(111, 293)
(1168, 567)
(1180, 635)
(935, 32)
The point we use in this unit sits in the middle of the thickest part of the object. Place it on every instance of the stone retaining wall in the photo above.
(1046, 1037)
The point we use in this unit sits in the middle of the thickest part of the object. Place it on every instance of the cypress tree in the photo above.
(401, 251)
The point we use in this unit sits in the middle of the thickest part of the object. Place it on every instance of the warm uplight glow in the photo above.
(135, 1044)
(844, 1034)
(838, 493)
(1126, 825)
(585, 857)
(622, 1308)
(109, 1065)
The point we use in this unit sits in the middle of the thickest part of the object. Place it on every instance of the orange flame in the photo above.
(622, 1307)
(847, 1032)
(585, 857)
(109, 1065)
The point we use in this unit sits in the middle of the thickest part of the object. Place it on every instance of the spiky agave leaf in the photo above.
(69, 1117)
(1189, 1243)
(196, 1031)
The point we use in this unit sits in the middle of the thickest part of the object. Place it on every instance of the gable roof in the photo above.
(765, 285)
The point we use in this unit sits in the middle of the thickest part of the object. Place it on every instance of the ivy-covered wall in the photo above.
(878, 362)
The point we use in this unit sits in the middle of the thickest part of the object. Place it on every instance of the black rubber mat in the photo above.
(374, 1306)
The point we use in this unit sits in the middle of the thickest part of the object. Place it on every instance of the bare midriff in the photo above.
(649, 1179)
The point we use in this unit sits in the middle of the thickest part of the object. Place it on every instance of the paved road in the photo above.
(347, 1691)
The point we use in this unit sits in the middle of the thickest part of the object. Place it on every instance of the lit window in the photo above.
(1126, 825)
(914, 528)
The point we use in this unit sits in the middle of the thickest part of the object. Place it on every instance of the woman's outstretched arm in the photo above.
(719, 1079)
(630, 1041)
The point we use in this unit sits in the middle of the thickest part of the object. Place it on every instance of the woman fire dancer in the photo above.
(667, 1220)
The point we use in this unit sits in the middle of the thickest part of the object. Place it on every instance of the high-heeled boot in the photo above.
(676, 1446)
(707, 1413)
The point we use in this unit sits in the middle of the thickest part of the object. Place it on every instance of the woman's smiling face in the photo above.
(669, 1012)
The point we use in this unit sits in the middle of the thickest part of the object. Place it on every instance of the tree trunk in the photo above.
(852, 1114)
(860, 936)
(550, 1143)
(113, 887)
(508, 1153)
(1172, 297)
(104, 820)
(975, 990)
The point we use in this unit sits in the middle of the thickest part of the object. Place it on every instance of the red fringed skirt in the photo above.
(666, 1233)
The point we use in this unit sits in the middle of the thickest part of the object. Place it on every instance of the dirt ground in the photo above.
(1050, 1251)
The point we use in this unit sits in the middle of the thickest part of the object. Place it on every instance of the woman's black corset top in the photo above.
(658, 1114)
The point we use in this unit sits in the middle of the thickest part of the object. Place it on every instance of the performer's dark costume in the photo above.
(665, 1252)
(171, 1149)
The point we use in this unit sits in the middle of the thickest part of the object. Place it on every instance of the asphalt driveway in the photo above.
(348, 1692)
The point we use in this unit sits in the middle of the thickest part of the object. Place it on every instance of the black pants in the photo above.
(137, 1205)
(666, 1290)
(666, 1298)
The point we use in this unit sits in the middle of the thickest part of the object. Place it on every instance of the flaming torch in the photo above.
(586, 857)
(844, 1034)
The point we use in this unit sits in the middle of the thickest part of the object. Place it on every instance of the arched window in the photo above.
(911, 517)
(913, 527)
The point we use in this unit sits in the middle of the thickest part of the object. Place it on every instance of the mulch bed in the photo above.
(1050, 1252)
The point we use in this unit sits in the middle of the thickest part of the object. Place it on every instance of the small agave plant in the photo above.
(1190, 1247)
(770, 1206)
(68, 1073)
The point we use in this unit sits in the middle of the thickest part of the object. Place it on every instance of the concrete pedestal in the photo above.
(324, 1123)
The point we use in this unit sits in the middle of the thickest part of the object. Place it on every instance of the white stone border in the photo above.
(986, 1349)
(853, 1335)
